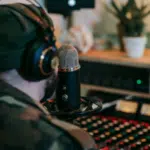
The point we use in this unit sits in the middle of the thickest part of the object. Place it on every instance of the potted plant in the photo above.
(131, 25)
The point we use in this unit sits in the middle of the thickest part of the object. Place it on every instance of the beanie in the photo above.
(16, 31)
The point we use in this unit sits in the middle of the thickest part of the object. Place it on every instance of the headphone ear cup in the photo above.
(28, 67)
(30, 62)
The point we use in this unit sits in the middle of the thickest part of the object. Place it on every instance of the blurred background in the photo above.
(101, 22)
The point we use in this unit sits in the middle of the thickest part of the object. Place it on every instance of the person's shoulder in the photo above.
(24, 128)
(23, 125)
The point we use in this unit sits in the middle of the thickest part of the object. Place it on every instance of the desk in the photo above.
(116, 57)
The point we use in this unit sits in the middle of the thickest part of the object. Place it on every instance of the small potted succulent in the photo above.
(131, 25)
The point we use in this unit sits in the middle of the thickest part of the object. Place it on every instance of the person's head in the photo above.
(28, 56)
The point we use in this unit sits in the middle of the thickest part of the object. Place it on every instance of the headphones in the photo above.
(40, 56)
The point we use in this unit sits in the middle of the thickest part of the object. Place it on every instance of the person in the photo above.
(24, 123)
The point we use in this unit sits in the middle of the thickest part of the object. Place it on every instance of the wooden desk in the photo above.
(119, 58)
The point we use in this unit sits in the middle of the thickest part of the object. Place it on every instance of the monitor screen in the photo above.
(66, 6)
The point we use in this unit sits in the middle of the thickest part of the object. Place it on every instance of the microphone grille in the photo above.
(68, 58)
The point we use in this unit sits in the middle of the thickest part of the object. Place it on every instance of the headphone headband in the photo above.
(43, 13)
(42, 20)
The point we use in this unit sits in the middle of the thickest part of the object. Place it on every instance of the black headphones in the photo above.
(40, 55)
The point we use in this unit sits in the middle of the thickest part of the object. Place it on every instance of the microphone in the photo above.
(68, 87)
(68, 103)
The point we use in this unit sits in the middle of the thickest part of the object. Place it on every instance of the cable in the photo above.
(88, 106)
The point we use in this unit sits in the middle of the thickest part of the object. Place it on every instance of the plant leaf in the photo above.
(128, 6)
(112, 12)
(143, 8)
(146, 14)
(115, 7)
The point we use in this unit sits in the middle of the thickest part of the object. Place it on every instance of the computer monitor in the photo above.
(65, 7)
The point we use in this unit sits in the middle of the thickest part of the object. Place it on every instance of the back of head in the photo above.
(23, 44)
(15, 34)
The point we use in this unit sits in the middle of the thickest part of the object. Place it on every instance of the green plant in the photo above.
(131, 16)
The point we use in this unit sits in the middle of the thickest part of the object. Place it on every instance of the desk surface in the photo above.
(117, 57)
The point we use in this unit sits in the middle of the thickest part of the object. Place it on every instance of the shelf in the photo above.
(113, 90)
(117, 57)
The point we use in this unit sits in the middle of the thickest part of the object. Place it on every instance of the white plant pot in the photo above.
(135, 46)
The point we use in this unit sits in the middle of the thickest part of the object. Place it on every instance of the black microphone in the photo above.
(68, 85)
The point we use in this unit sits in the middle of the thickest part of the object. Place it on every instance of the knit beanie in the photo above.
(16, 31)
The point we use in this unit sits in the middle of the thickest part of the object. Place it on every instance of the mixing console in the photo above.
(123, 126)
(112, 133)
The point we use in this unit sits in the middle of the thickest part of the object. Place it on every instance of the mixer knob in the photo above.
(89, 120)
(102, 138)
(94, 118)
(133, 147)
(121, 145)
(96, 132)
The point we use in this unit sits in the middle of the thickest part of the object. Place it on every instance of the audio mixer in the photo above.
(125, 126)
(112, 133)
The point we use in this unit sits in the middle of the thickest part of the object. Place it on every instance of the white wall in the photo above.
(88, 16)
(42, 2)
